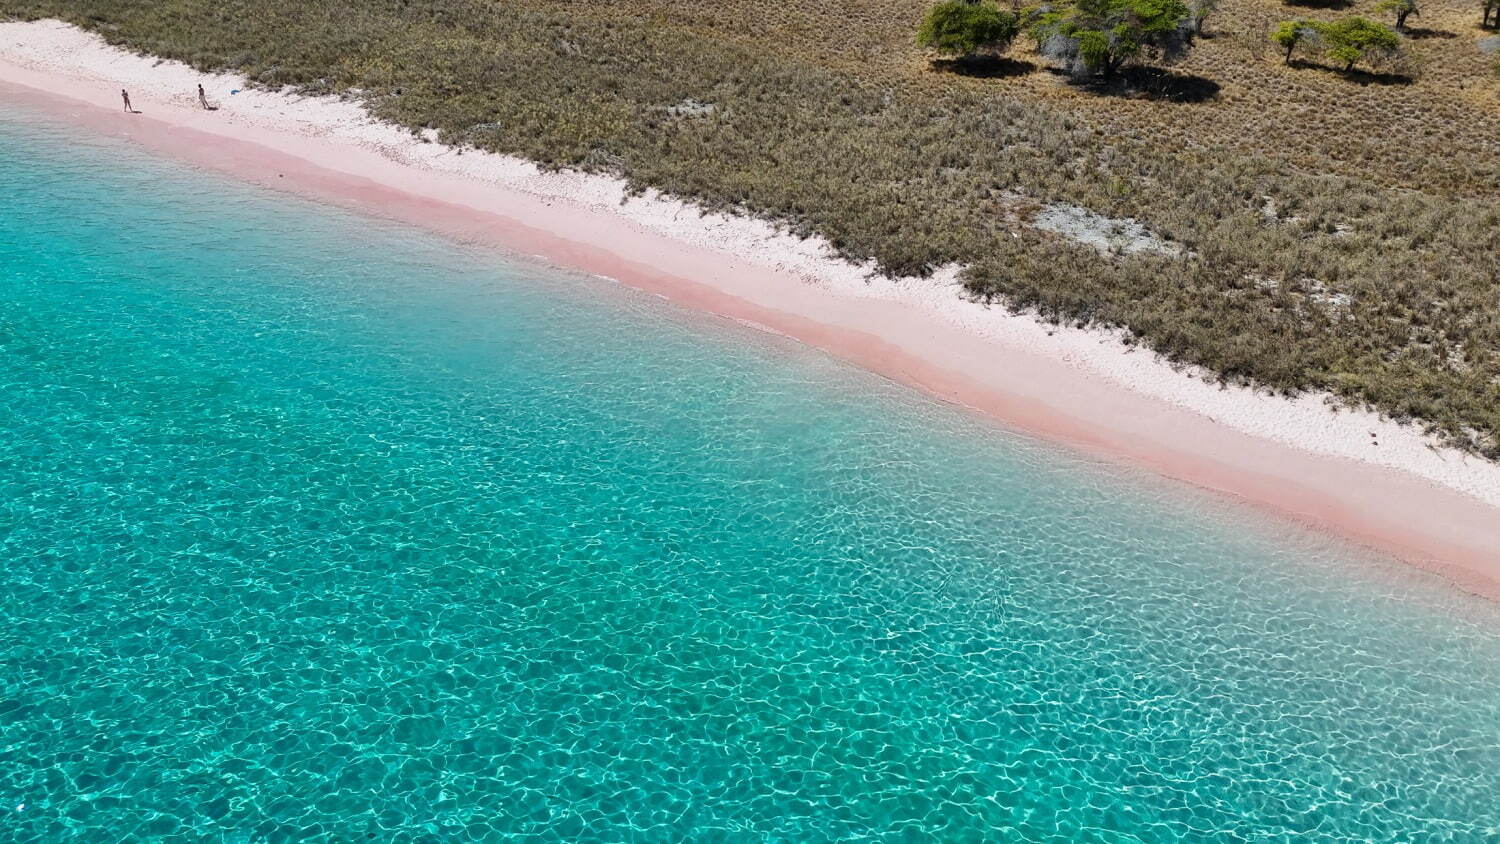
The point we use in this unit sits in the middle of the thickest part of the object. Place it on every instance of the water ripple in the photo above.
(317, 529)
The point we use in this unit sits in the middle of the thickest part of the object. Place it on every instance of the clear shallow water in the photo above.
(313, 526)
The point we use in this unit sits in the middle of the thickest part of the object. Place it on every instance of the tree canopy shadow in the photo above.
(1363, 77)
(1421, 32)
(1149, 83)
(984, 67)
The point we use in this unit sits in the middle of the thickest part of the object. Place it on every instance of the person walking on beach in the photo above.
(202, 97)
(125, 95)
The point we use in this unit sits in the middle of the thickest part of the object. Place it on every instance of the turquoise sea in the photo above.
(317, 528)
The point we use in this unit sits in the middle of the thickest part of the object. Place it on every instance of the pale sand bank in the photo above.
(1432, 506)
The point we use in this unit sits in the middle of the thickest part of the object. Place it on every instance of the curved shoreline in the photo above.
(1435, 508)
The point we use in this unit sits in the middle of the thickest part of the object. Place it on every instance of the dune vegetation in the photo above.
(1324, 223)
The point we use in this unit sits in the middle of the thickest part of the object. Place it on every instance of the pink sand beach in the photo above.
(1364, 478)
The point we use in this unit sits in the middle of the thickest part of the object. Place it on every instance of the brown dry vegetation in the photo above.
(1341, 232)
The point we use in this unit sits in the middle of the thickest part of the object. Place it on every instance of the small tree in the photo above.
(1201, 9)
(1289, 35)
(966, 27)
(1356, 39)
(1403, 9)
(1102, 36)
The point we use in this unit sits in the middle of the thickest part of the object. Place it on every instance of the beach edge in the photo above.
(1350, 473)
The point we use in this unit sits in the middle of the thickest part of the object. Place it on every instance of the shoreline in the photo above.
(1433, 507)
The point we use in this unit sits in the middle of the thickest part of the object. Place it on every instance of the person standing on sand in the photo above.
(125, 95)
(202, 97)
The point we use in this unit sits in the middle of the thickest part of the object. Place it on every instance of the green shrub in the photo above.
(1102, 36)
(967, 27)
(1347, 41)
(1352, 40)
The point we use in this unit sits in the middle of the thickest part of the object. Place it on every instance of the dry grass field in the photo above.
(1338, 232)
